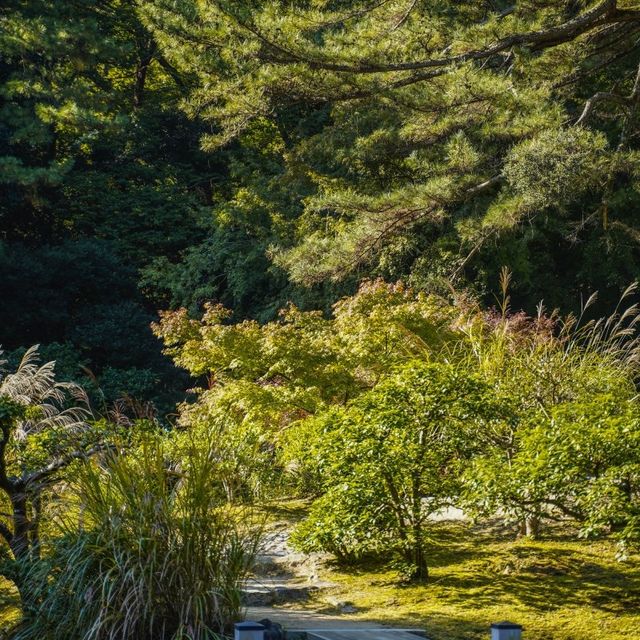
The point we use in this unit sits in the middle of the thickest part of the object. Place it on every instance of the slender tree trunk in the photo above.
(396, 504)
(141, 78)
(146, 57)
(532, 527)
(20, 540)
(417, 555)
(418, 560)
(24, 550)
(20, 567)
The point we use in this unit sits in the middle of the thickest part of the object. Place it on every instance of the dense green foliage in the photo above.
(394, 458)
(376, 412)
(162, 154)
(430, 140)
(203, 205)
(139, 541)
(117, 578)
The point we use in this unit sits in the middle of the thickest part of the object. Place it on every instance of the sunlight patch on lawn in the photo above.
(558, 588)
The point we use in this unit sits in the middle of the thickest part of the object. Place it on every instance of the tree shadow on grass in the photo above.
(473, 571)
(291, 511)
(548, 574)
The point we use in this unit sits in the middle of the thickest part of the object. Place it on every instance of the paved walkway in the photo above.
(292, 619)
(320, 626)
(364, 634)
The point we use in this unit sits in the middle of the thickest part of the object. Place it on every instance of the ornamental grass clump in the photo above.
(157, 555)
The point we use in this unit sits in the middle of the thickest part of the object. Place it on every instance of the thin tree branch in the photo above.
(601, 96)
(171, 70)
(628, 102)
(41, 475)
(405, 16)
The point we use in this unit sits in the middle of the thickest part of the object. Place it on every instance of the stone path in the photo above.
(299, 620)
(317, 626)
(363, 634)
(283, 576)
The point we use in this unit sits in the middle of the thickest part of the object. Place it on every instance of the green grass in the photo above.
(9, 610)
(558, 587)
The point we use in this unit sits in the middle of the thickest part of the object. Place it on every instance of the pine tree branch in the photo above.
(604, 13)
(410, 216)
(405, 15)
(601, 96)
(171, 70)
(484, 186)
(476, 247)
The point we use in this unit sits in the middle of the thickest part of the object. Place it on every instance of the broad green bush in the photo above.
(393, 458)
(155, 554)
(401, 403)
(339, 523)
(264, 378)
(571, 450)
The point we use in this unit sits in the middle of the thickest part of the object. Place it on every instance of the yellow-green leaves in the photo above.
(552, 168)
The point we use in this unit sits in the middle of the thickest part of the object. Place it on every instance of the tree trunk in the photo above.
(20, 539)
(419, 561)
(23, 551)
(141, 78)
(146, 55)
(530, 527)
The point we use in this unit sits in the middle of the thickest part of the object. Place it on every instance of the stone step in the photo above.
(364, 634)
(264, 591)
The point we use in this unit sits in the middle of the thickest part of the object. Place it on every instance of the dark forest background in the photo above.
(115, 204)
